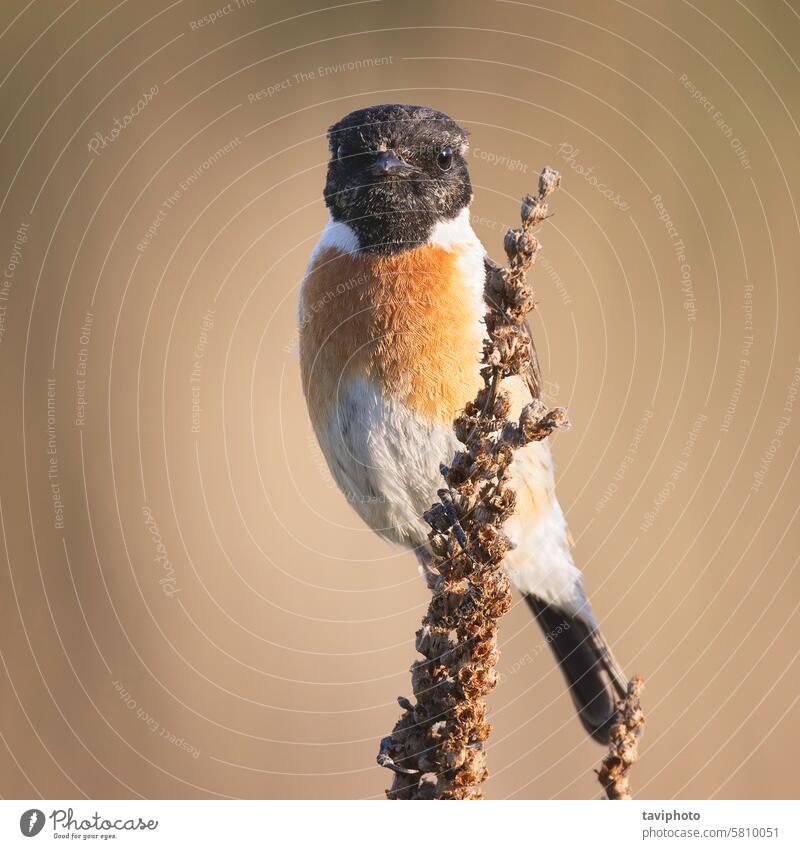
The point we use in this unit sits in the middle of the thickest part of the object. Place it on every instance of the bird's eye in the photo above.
(445, 158)
(342, 152)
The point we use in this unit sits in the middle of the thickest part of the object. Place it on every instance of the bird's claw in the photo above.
(385, 759)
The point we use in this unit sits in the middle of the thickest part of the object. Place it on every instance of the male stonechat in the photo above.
(391, 334)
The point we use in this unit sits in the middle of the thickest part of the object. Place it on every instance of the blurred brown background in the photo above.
(189, 607)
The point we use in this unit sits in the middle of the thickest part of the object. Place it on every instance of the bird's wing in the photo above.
(532, 375)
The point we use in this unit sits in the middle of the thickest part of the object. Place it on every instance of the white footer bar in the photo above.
(387, 825)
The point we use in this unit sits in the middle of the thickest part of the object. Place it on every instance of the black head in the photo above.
(395, 172)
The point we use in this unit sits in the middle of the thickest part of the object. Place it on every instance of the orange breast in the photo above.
(407, 322)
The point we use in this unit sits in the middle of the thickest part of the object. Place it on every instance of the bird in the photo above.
(391, 328)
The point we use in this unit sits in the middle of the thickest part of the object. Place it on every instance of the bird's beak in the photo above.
(388, 163)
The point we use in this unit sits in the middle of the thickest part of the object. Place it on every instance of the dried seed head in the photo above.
(549, 181)
(442, 736)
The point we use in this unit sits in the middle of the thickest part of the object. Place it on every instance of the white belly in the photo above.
(386, 460)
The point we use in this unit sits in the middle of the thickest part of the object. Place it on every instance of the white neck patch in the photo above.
(455, 232)
(337, 235)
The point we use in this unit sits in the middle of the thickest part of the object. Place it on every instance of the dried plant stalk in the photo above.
(623, 750)
(436, 749)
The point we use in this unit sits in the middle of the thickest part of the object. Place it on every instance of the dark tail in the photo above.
(593, 676)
